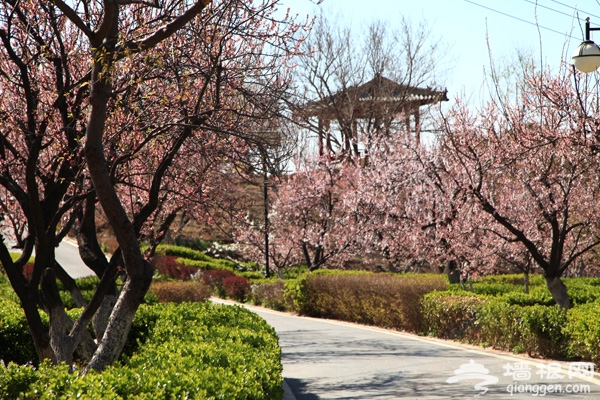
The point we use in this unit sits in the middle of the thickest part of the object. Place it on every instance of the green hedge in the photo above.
(198, 259)
(494, 322)
(16, 343)
(183, 252)
(583, 330)
(206, 265)
(449, 316)
(191, 351)
(581, 290)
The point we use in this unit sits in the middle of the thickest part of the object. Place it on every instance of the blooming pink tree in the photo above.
(312, 220)
(132, 106)
(512, 184)
(527, 176)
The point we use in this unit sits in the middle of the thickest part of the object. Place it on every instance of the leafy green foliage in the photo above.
(253, 275)
(583, 330)
(182, 252)
(448, 316)
(16, 343)
(186, 351)
(210, 264)
(294, 293)
(496, 322)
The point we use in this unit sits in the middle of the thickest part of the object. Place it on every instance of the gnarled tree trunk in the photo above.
(559, 292)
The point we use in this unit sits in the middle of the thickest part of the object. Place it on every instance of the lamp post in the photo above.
(587, 55)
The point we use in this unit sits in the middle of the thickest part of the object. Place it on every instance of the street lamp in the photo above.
(587, 55)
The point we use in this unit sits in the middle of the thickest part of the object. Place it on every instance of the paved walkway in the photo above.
(326, 359)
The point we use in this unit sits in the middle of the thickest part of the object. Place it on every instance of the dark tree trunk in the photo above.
(139, 271)
(559, 292)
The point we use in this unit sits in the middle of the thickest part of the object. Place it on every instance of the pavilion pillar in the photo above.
(417, 127)
(321, 138)
(327, 126)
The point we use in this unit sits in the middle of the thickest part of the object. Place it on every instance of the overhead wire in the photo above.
(554, 9)
(574, 8)
(521, 19)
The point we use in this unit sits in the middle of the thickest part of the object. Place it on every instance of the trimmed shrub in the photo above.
(179, 292)
(583, 331)
(543, 331)
(16, 343)
(252, 275)
(28, 271)
(168, 266)
(206, 265)
(269, 294)
(183, 252)
(192, 351)
(536, 330)
(583, 290)
(391, 301)
(236, 287)
(494, 289)
(448, 316)
(86, 283)
(537, 296)
(294, 293)
(214, 277)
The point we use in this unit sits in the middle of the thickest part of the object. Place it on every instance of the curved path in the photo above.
(67, 255)
(325, 359)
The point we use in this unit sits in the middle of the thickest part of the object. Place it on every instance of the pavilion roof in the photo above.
(379, 95)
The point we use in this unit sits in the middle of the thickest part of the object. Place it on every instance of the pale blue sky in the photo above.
(463, 26)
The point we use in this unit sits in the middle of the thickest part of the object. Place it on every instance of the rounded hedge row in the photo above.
(175, 351)
(536, 329)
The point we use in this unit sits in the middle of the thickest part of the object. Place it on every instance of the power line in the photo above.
(522, 20)
(553, 9)
(574, 8)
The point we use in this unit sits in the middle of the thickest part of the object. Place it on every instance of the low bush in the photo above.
(168, 266)
(489, 321)
(68, 300)
(86, 283)
(191, 351)
(494, 289)
(392, 301)
(269, 293)
(543, 331)
(214, 279)
(28, 271)
(583, 290)
(179, 292)
(448, 316)
(236, 287)
(206, 265)
(16, 343)
(183, 252)
(294, 293)
(537, 296)
(253, 275)
(583, 330)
